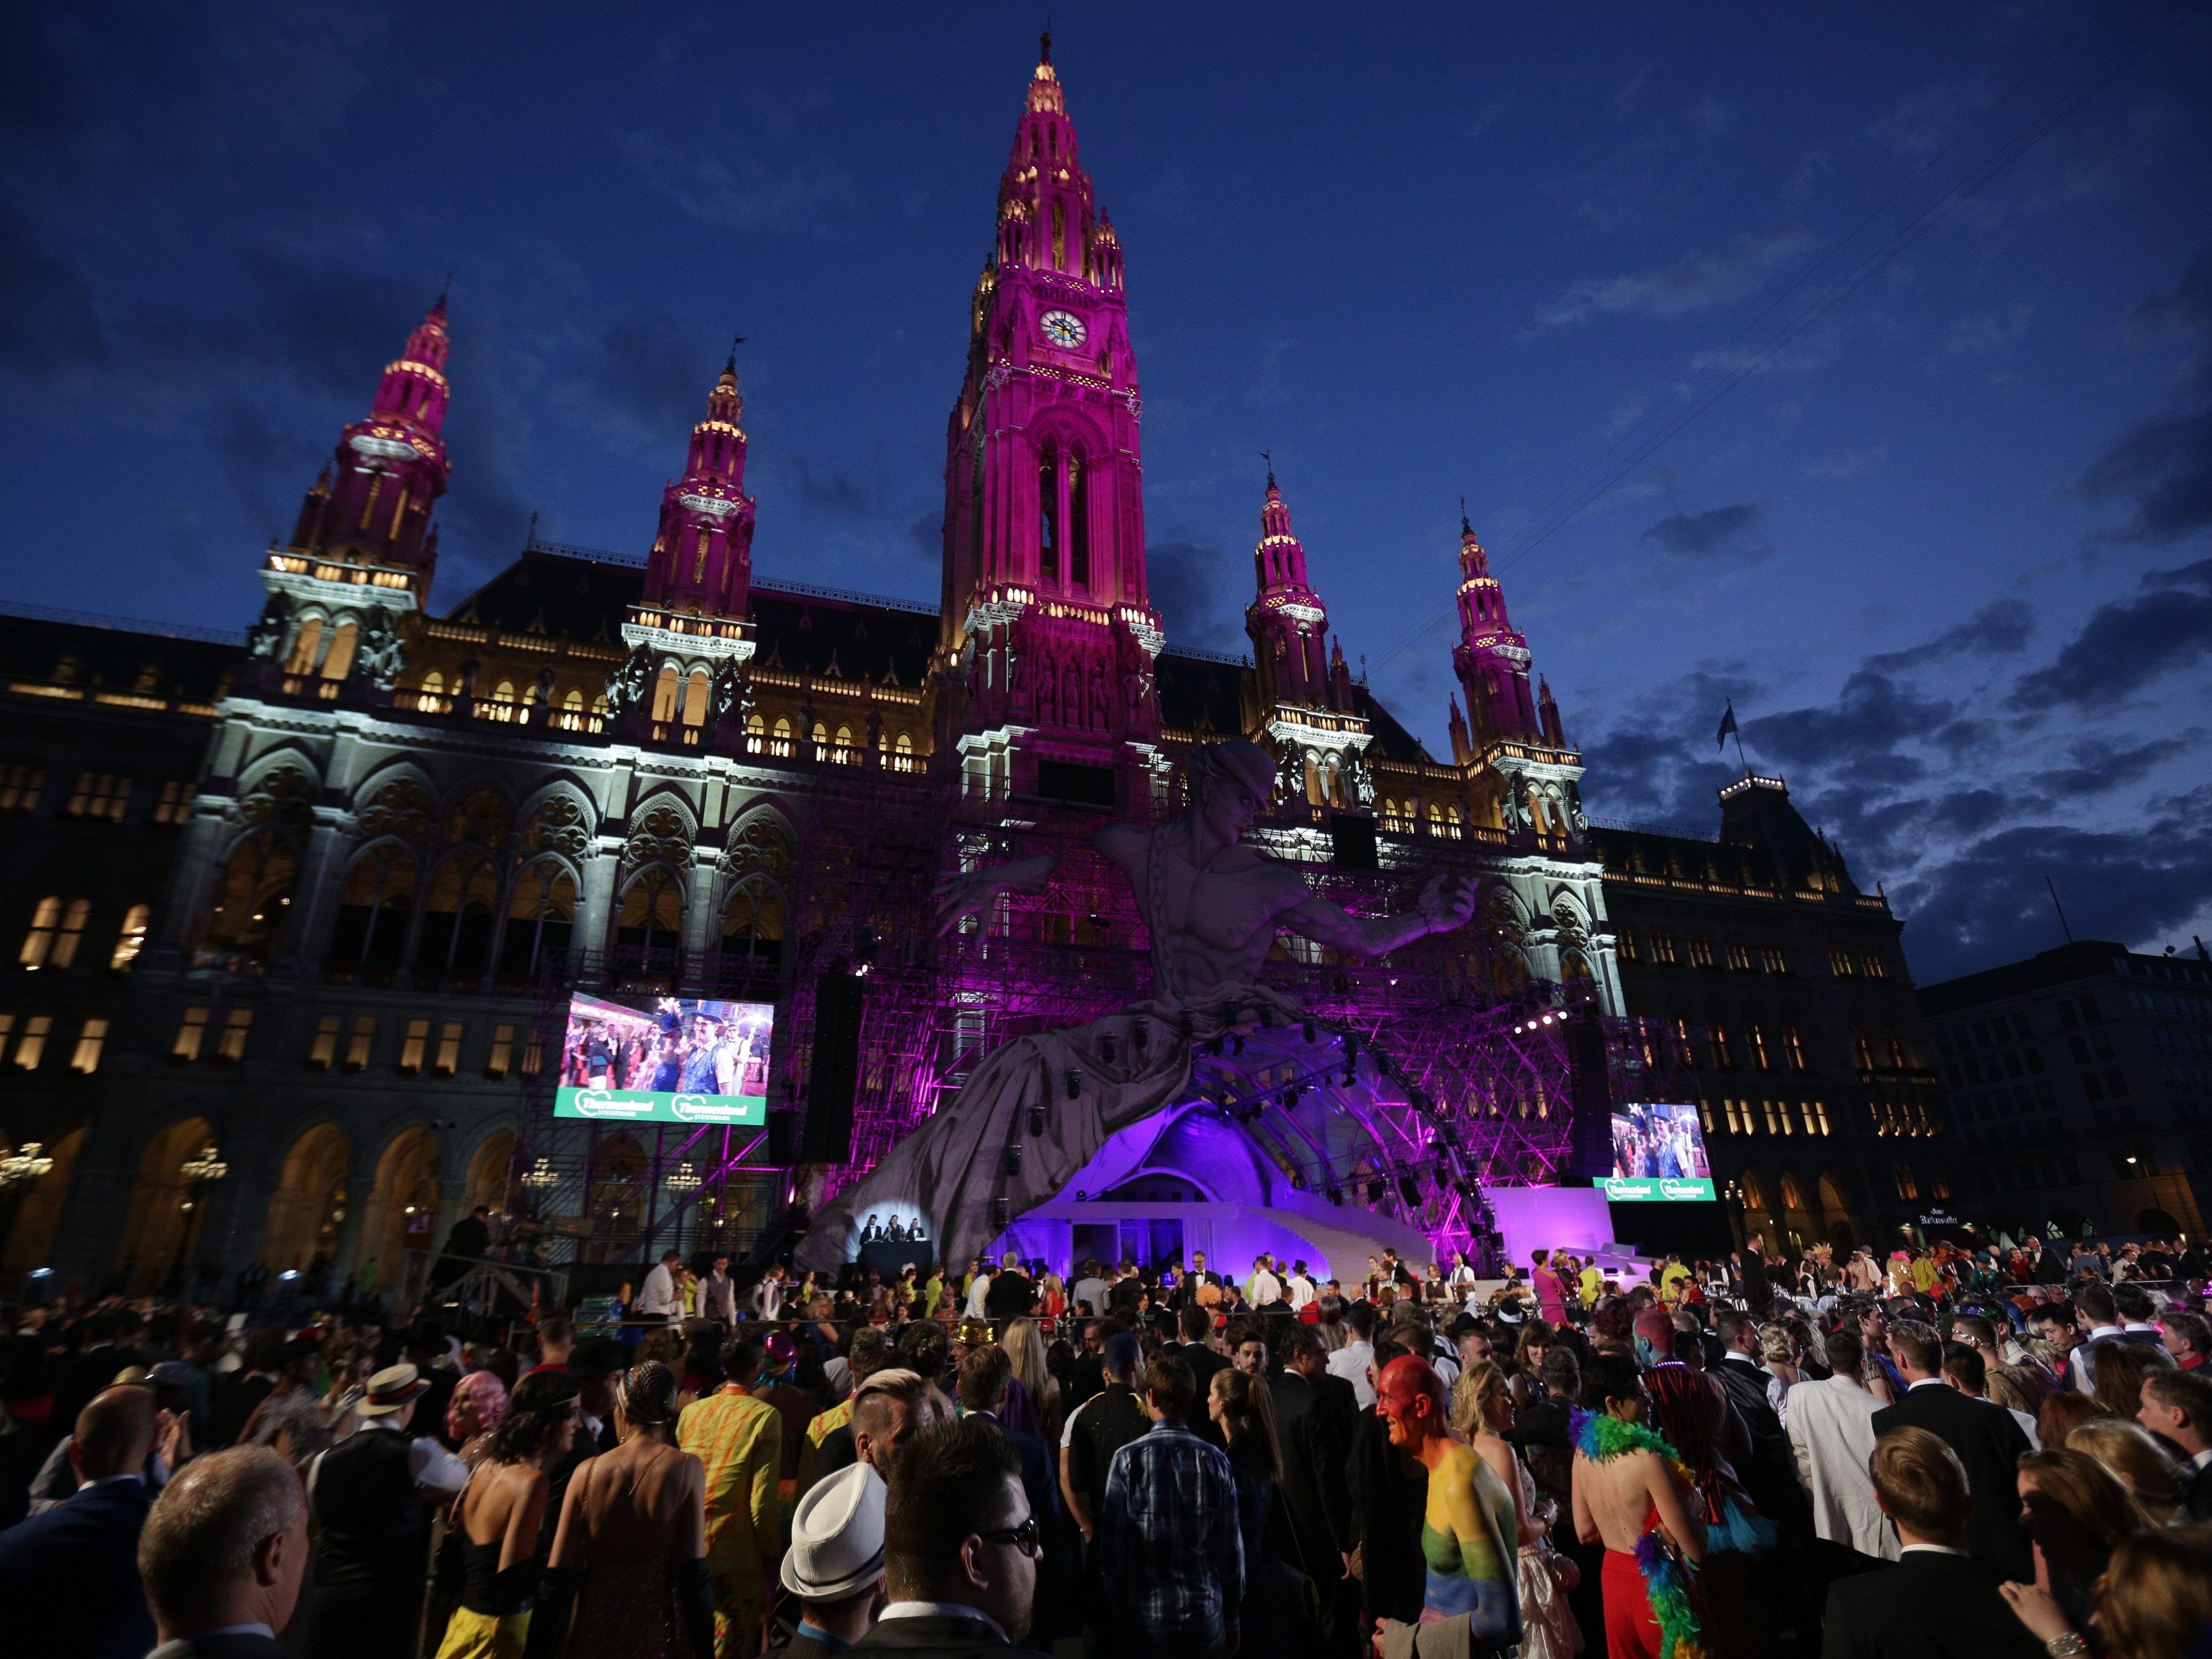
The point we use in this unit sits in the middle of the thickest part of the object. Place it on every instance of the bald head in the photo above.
(114, 1433)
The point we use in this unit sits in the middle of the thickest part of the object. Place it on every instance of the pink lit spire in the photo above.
(702, 557)
(1287, 620)
(373, 501)
(1492, 658)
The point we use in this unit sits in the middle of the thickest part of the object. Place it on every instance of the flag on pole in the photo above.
(1727, 726)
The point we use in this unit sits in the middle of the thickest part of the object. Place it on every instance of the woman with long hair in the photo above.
(2120, 1368)
(2076, 1512)
(2057, 1418)
(1240, 1406)
(2154, 1601)
(1024, 1346)
(499, 1516)
(627, 1574)
(1482, 1415)
(2127, 1449)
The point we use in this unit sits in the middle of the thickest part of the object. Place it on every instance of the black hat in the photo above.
(595, 1356)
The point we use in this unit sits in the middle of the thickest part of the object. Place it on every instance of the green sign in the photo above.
(1654, 1189)
(661, 1106)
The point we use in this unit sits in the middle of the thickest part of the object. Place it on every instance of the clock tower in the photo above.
(1049, 635)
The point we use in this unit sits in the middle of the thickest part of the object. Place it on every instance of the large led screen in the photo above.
(683, 1062)
(1658, 1155)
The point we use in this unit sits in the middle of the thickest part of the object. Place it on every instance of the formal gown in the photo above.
(627, 1604)
(1544, 1578)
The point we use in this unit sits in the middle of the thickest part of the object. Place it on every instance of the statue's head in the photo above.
(1231, 783)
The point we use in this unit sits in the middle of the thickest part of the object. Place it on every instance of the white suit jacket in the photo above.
(1832, 1429)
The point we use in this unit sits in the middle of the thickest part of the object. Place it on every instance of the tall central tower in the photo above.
(1049, 632)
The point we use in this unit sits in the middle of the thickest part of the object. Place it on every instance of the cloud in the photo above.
(1999, 627)
(1986, 902)
(832, 489)
(811, 195)
(1186, 581)
(2163, 466)
(1655, 170)
(1716, 533)
(1874, 713)
(1990, 332)
(2184, 308)
(47, 325)
(2127, 644)
(651, 375)
(1924, 122)
(1699, 281)
(928, 533)
(2097, 767)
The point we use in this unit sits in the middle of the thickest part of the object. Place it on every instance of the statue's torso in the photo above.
(1213, 925)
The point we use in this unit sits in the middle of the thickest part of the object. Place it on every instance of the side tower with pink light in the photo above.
(1048, 635)
(363, 550)
(1526, 776)
(1315, 723)
(688, 635)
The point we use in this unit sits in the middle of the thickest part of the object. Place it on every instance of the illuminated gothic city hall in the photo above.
(295, 919)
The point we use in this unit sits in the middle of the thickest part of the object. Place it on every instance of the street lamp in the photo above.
(199, 1173)
(684, 1179)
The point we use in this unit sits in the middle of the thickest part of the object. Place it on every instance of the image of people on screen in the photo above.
(877, 1230)
(684, 1046)
(1659, 1142)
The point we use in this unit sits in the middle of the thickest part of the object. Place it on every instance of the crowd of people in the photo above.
(1728, 1458)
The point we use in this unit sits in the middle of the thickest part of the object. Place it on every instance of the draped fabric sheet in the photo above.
(1125, 1067)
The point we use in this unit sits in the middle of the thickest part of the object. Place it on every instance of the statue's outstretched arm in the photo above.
(974, 891)
(1447, 902)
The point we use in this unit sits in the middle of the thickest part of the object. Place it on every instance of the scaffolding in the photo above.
(1415, 1082)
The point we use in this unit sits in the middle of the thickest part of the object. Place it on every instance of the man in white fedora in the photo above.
(372, 1523)
(834, 1566)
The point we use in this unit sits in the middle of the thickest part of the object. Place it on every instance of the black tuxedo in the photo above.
(69, 1577)
(1187, 1292)
(1771, 1479)
(2200, 1493)
(1927, 1606)
(1204, 1364)
(234, 1404)
(936, 1637)
(1314, 1426)
(1989, 1443)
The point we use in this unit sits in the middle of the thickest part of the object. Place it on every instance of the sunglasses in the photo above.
(1023, 1538)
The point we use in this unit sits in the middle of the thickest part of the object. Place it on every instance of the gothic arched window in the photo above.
(1079, 526)
(253, 894)
(372, 924)
(539, 918)
(753, 921)
(651, 917)
(457, 921)
(664, 691)
(1048, 517)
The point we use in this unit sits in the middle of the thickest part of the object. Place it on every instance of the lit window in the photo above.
(1723, 1056)
(174, 803)
(1864, 1049)
(72, 933)
(1839, 964)
(325, 1049)
(1663, 947)
(1773, 1127)
(503, 1052)
(449, 1048)
(236, 1025)
(1777, 961)
(7, 1028)
(90, 1041)
(1939, 1186)
(99, 795)
(1739, 956)
(39, 942)
(191, 1032)
(411, 1050)
(534, 1054)
(1765, 1060)
(1628, 937)
(364, 1036)
(31, 1046)
(1706, 1111)
(1701, 950)
(1796, 1049)
(1875, 968)
(131, 940)
(1821, 1116)
(1735, 1126)
(19, 786)
(1907, 1187)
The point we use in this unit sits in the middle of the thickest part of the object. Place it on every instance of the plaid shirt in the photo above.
(1169, 1547)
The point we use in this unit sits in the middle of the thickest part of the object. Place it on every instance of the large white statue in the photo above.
(1212, 905)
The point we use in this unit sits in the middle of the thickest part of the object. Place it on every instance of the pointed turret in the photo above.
(1548, 715)
(702, 558)
(1491, 659)
(373, 501)
(1462, 749)
(1287, 619)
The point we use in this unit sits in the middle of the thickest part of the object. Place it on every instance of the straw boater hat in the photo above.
(837, 1536)
(390, 1388)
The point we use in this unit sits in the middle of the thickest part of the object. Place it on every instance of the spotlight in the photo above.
(1375, 1188)
(1409, 1190)
(1074, 1083)
(1106, 1047)
(1238, 1039)
(1139, 1035)
(998, 1216)
(1009, 1161)
(1308, 1028)
(1336, 1196)
(1291, 1098)
(1037, 1122)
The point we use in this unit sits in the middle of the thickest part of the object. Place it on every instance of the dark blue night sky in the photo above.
(1933, 283)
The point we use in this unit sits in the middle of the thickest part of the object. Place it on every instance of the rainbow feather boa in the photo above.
(1667, 1584)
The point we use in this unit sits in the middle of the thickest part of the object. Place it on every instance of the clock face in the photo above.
(1064, 329)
